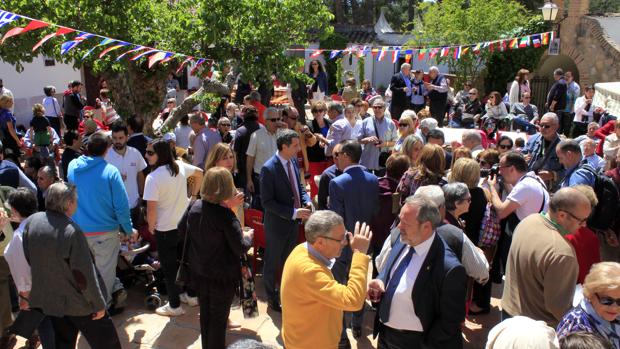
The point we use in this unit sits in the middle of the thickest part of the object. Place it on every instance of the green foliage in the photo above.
(604, 6)
(338, 42)
(503, 66)
(451, 22)
(360, 70)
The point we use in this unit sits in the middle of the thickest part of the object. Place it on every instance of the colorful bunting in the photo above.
(362, 52)
(102, 43)
(171, 57)
(374, 51)
(525, 42)
(421, 54)
(514, 43)
(316, 53)
(198, 64)
(408, 54)
(66, 46)
(477, 48)
(536, 40)
(139, 48)
(158, 57)
(444, 51)
(457, 52)
(140, 55)
(395, 54)
(382, 54)
(464, 50)
(6, 18)
(434, 52)
(184, 63)
(334, 54)
(34, 24)
(112, 48)
(60, 31)
(545, 39)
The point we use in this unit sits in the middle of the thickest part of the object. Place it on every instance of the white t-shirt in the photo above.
(128, 165)
(170, 193)
(528, 193)
(262, 147)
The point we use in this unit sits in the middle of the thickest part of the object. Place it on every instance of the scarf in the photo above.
(608, 330)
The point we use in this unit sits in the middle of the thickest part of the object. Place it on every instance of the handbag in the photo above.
(383, 155)
(490, 229)
(247, 296)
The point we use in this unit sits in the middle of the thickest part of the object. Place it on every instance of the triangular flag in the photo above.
(168, 59)
(158, 57)
(381, 55)
(138, 48)
(112, 48)
(334, 54)
(536, 40)
(502, 45)
(551, 36)
(514, 43)
(434, 52)
(140, 55)
(316, 53)
(464, 50)
(362, 52)
(374, 51)
(184, 63)
(457, 52)
(395, 54)
(6, 18)
(408, 54)
(477, 48)
(66, 46)
(103, 42)
(59, 32)
(491, 46)
(421, 54)
(34, 24)
(525, 42)
(444, 51)
(198, 64)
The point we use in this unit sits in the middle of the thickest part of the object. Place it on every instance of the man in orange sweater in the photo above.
(312, 300)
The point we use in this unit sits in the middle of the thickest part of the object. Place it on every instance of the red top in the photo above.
(260, 108)
(586, 246)
(603, 132)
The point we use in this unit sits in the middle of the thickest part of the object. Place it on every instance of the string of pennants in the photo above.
(456, 52)
(134, 52)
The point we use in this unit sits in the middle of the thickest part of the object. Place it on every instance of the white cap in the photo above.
(170, 137)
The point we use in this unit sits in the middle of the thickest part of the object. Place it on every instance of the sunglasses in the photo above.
(472, 94)
(608, 301)
(545, 126)
(150, 153)
(403, 125)
(505, 146)
(378, 107)
(275, 120)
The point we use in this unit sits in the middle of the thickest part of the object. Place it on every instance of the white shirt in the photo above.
(19, 266)
(128, 165)
(580, 110)
(170, 193)
(262, 146)
(181, 133)
(402, 312)
(52, 108)
(528, 193)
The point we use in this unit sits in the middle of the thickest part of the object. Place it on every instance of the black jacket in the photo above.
(215, 240)
(397, 85)
(557, 94)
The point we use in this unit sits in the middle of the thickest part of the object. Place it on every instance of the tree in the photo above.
(253, 33)
(453, 22)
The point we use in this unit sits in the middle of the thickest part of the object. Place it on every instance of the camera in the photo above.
(486, 172)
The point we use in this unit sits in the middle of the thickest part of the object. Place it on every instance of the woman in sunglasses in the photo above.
(599, 311)
(407, 125)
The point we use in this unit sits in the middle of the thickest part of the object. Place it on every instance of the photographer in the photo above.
(528, 195)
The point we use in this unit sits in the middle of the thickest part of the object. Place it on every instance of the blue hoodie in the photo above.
(102, 200)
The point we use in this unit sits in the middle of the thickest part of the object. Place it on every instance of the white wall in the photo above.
(27, 86)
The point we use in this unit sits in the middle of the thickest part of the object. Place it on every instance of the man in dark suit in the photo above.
(326, 178)
(286, 204)
(400, 85)
(556, 98)
(354, 195)
(422, 288)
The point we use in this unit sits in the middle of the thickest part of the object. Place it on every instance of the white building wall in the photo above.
(27, 86)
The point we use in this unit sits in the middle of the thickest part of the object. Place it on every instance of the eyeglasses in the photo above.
(342, 241)
(378, 107)
(403, 125)
(467, 199)
(275, 120)
(608, 301)
(505, 146)
(545, 126)
(150, 153)
(580, 220)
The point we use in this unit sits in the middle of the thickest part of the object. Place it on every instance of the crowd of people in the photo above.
(365, 186)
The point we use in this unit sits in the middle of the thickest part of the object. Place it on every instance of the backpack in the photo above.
(603, 215)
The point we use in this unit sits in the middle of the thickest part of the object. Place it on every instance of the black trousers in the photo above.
(566, 121)
(438, 111)
(167, 242)
(215, 298)
(417, 107)
(72, 122)
(397, 109)
(390, 338)
(100, 334)
(55, 124)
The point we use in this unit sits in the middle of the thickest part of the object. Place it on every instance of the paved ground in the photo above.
(139, 328)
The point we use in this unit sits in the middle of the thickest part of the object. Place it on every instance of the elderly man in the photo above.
(401, 88)
(556, 98)
(540, 149)
(542, 267)
(472, 140)
(467, 110)
(65, 281)
(378, 136)
(426, 125)
(589, 154)
(335, 112)
(526, 114)
(420, 264)
(437, 94)
(262, 146)
(45, 177)
(205, 139)
(576, 171)
(313, 301)
(286, 205)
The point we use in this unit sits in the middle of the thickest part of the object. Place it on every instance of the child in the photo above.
(109, 114)
(40, 133)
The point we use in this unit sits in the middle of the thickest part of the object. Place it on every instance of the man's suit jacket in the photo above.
(438, 295)
(277, 196)
(354, 195)
(399, 96)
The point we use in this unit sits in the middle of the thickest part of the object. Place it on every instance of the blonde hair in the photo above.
(407, 147)
(406, 118)
(604, 276)
(217, 153)
(460, 152)
(467, 171)
(38, 110)
(6, 102)
(588, 191)
(217, 185)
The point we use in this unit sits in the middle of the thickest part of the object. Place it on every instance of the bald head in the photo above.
(570, 208)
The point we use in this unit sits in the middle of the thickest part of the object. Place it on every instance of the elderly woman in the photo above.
(407, 125)
(428, 170)
(216, 244)
(599, 310)
(457, 203)
(65, 284)
(411, 147)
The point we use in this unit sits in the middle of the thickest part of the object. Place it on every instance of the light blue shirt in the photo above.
(387, 133)
(329, 263)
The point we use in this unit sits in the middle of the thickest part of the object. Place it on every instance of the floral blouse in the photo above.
(412, 180)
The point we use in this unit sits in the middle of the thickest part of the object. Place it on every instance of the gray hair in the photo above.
(558, 72)
(409, 113)
(231, 105)
(552, 116)
(427, 210)
(196, 118)
(429, 123)
(285, 137)
(271, 111)
(433, 68)
(59, 196)
(378, 100)
(454, 193)
(472, 135)
(408, 143)
(432, 193)
(321, 223)
(335, 106)
(405, 66)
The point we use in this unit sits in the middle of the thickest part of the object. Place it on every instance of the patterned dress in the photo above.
(583, 318)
